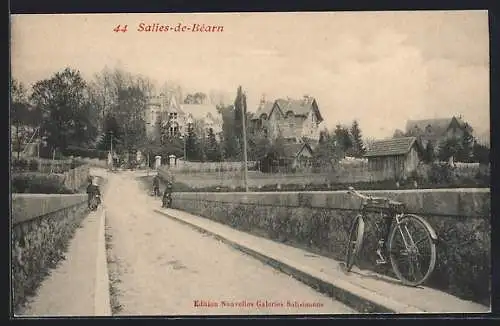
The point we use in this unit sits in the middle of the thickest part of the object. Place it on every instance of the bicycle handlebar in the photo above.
(354, 192)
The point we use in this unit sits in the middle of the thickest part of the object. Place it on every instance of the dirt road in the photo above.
(162, 267)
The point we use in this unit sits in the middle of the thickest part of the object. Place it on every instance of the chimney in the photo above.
(262, 99)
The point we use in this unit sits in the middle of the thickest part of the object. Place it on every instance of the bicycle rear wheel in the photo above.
(412, 250)
(355, 241)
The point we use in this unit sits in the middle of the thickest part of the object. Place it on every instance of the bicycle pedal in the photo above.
(381, 262)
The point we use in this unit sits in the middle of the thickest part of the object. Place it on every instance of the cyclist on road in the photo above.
(167, 194)
(92, 190)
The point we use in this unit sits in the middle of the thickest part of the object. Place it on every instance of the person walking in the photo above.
(156, 185)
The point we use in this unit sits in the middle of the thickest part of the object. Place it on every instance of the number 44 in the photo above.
(119, 28)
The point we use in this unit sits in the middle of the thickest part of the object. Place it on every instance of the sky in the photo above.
(380, 68)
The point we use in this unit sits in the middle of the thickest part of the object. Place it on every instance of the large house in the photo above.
(436, 130)
(296, 120)
(177, 116)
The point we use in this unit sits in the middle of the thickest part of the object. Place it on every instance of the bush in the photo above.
(85, 152)
(440, 173)
(38, 183)
(24, 165)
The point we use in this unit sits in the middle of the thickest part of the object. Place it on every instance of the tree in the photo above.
(131, 104)
(230, 144)
(66, 109)
(328, 153)
(429, 154)
(126, 97)
(192, 144)
(240, 110)
(480, 153)
(465, 153)
(343, 138)
(449, 147)
(259, 146)
(358, 148)
(213, 150)
(111, 133)
(19, 111)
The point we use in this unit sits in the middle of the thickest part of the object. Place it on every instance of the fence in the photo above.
(463, 175)
(186, 166)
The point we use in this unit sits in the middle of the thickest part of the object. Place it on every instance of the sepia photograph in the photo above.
(250, 164)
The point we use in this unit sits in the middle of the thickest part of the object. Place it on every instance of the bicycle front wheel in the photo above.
(355, 241)
(412, 250)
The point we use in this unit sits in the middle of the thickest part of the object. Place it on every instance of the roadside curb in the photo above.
(102, 302)
(356, 297)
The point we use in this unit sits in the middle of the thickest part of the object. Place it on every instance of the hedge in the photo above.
(85, 152)
(56, 166)
(25, 165)
(38, 183)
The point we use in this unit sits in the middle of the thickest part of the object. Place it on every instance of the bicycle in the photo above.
(401, 242)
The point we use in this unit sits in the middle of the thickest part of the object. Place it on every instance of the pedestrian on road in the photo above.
(92, 191)
(167, 195)
(156, 184)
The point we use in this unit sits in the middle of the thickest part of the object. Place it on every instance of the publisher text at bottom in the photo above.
(256, 304)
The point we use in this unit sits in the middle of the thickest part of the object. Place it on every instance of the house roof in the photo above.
(391, 147)
(200, 111)
(293, 149)
(300, 107)
(438, 126)
(313, 143)
(264, 108)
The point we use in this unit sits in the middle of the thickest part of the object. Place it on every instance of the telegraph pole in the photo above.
(111, 150)
(243, 118)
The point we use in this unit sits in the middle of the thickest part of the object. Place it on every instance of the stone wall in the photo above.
(41, 227)
(320, 221)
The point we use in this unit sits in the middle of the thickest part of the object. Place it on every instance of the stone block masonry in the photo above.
(41, 228)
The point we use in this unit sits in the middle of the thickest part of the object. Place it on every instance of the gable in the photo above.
(305, 151)
(315, 109)
(275, 110)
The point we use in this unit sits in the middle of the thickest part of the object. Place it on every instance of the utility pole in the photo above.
(243, 118)
(111, 151)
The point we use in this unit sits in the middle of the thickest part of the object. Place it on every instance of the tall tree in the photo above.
(358, 148)
(481, 153)
(112, 133)
(343, 138)
(192, 144)
(449, 147)
(19, 112)
(213, 150)
(126, 96)
(131, 105)
(240, 110)
(465, 153)
(64, 101)
(429, 154)
(230, 145)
